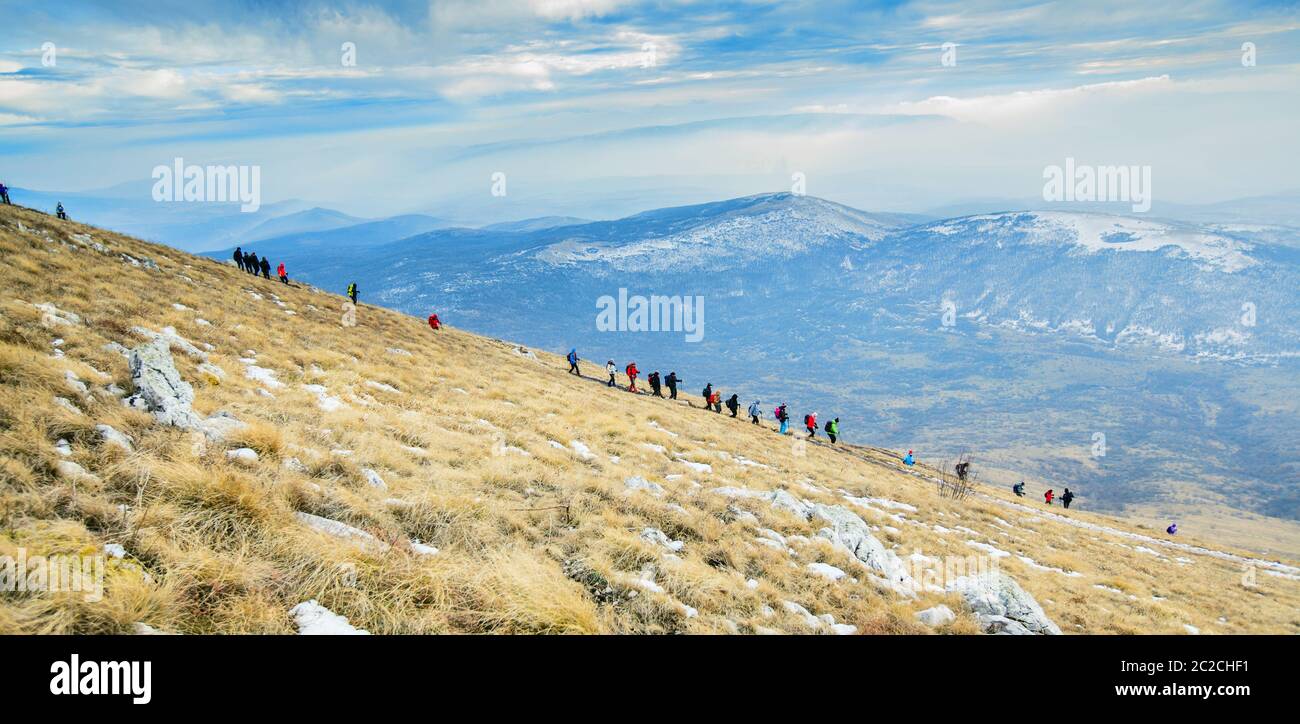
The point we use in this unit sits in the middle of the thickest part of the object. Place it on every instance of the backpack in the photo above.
(827, 428)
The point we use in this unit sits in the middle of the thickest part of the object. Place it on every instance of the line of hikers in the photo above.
(1066, 498)
(712, 398)
(4, 198)
(248, 261)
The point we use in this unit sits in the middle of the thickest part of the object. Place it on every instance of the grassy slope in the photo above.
(547, 542)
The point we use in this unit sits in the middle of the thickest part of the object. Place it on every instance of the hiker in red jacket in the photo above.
(632, 372)
(283, 276)
(1048, 496)
(434, 322)
(810, 421)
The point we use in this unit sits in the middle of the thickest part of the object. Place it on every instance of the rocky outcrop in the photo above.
(160, 391)
(849, 531)
(1001, 606)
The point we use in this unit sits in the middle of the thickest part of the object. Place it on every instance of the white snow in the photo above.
(314, 619)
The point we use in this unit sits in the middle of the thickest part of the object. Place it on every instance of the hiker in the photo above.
(654, 384)
(248, 262)
(908, 459)
(783, 416)
(284, 276)
(755, 411)
(1019, 489)
(733, 404)
(1172, 529)
(632, 372)
(1066, 497)
(253, 263)
(573, 362)
(434, 323)
(1049, 495)
(239, 258)
(59, 212)
(833, 429)
(4, 194)
(612, 370)
(810, 422)
(671, 380)
(266, 268)
(715, 401)
(962, 467)
(352, 292)
(707, 394)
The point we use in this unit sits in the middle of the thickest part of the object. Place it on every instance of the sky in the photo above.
(599, 108)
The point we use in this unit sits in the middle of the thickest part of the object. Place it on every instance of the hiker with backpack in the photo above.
(707, 394)
(573, 362)
(253, 263)
(239, 258)
(266, 269)
(632, 372)
(833, 429)
(962, 467)
(654, 384)
(434, 323)
(1172, 529)
(1049, 495)
(733, 404)
(782, 416)
(1066, 497)
(60, 213)
(715, 401)
(352, 292)
(284, 276)
(1019, 489)
(671, 380)
(4, 194)
(908, 460)
(755, 412)
(612, 371)
(810, 422)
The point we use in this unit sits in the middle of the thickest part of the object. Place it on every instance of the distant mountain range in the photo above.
(1136, 360)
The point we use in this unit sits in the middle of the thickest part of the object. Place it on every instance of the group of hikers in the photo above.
(712, 397)
(1066, 498)
(248, 261)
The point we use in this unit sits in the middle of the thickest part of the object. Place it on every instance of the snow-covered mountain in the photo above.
(1021, 334)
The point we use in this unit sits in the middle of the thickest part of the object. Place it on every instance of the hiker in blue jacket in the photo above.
(755, 412)
(1172, 529)
(909, 460)
(573, 362)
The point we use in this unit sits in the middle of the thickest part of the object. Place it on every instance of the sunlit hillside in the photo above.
(413, 481)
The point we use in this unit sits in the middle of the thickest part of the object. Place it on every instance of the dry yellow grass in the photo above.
(532, 538)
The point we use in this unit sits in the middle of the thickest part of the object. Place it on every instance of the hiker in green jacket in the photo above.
(833, 429)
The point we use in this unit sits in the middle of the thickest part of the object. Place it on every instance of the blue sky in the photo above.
(603, 107)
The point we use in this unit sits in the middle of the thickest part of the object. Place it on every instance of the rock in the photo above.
(421, 549)
(1001, 605)
(637, 482)
(63, 448)
(52, 316)
(314, 619)
(144, 629)
(212, 374)
(783, 500)
(294, 465)
(115, 550)
(160, 391)
(342, 530)
(75, 382)
(111, 436)
(159, 387)
(170, 336)
(115, 347)
(654, 535)
(827, 571)
(373, 479)
(937, 616)
(66, 404)
(852, 533)
(69, 470)
(243, 455)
